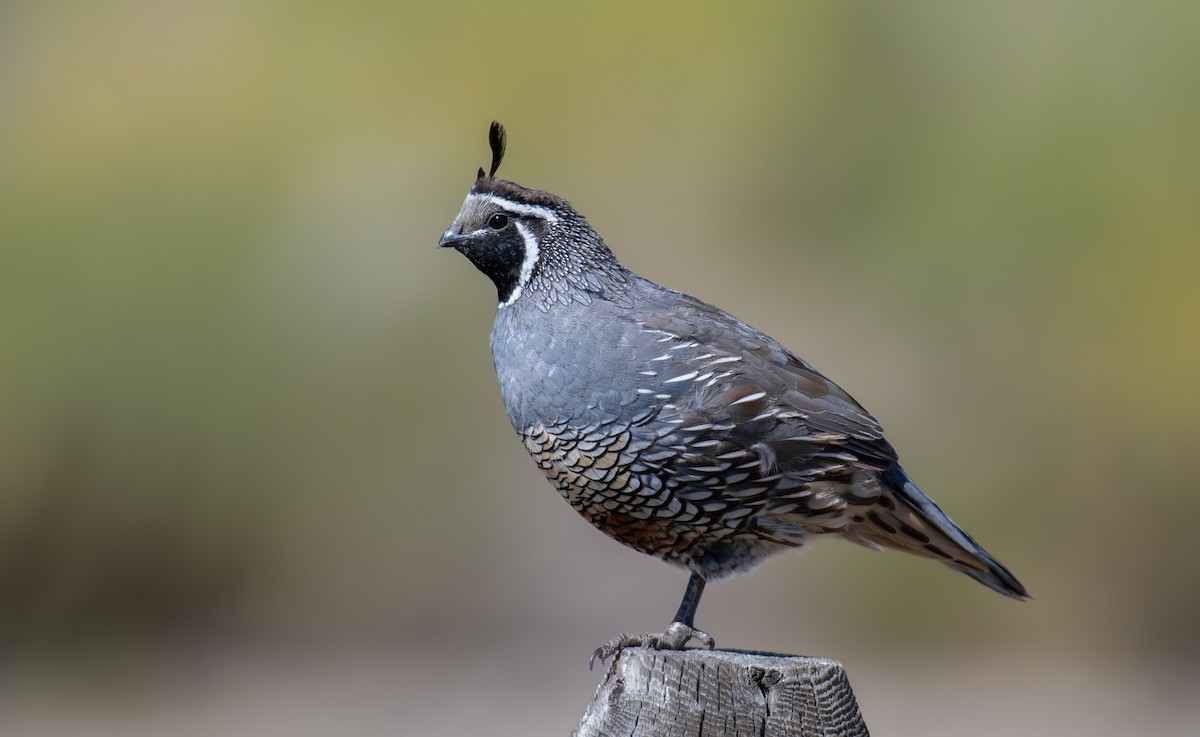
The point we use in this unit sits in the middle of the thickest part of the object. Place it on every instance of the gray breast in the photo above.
(570, 365)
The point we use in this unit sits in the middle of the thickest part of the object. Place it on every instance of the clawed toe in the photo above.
(614, 646)
(675, 638)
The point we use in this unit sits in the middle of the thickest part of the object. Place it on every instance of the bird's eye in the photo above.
(498, 221)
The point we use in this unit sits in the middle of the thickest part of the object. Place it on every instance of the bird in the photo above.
(674, 427)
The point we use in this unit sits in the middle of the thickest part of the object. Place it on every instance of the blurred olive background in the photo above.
(255, 475)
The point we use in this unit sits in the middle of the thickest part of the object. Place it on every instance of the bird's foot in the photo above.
(676, 636)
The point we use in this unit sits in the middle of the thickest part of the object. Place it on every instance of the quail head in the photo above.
(672, 426)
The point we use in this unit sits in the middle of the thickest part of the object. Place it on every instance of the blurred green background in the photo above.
(255, 475)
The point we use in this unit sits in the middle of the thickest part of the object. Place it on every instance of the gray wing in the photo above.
(769, 393)
(773, 449)
(755, 435)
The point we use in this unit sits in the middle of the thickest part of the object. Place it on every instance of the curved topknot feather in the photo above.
(496, 139)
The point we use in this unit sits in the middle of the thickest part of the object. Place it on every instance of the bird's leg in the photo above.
(686, 614)
(681, 631)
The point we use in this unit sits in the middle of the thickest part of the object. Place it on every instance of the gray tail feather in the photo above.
(978, 563)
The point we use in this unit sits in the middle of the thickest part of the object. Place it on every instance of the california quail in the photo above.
(674, 427)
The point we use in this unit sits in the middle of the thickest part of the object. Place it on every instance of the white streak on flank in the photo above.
(704, 377)
(663, 357)
(726, 359)
(531, 257)
(666, 335)
(749, 398)
(645, 391)
(662, 396)
(648, 373)
(682, 377)
(819, 437)
(520, 208)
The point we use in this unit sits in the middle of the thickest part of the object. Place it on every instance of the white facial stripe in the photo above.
(519, 208)
(531, 257)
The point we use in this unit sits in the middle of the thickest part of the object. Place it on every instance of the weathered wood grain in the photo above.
(722, 693)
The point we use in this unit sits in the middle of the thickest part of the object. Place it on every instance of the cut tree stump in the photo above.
(721, 693)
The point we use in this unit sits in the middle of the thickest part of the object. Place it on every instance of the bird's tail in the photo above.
(905, 518)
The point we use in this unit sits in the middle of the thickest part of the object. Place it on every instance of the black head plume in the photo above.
(496, 139)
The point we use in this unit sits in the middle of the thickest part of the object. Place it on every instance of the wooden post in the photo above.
(722, 693)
